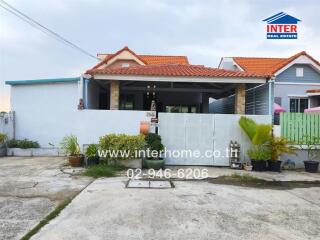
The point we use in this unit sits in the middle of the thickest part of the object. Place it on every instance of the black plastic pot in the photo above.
(274, 166)
(259, 165)
(311, 166)
(92, 161)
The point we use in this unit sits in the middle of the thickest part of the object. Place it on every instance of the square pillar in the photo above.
(114, 95)
(240, 99)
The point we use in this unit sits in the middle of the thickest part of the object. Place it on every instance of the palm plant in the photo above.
(258, 134)
(70, 145)
(3, 138)
(280, 145)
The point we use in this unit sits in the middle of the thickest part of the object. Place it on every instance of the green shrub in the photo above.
(3, 138)
(259, 153)
(70, 145)
(92, 150)
(121, 146)
(24, 144)
(154, 143)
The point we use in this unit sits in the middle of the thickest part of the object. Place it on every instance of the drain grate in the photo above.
(159, 184)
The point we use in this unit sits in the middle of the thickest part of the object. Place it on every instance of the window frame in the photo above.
(299, 103)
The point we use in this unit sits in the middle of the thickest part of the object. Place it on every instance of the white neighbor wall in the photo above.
(48, 112)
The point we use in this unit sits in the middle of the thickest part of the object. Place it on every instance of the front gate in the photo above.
(202, 139)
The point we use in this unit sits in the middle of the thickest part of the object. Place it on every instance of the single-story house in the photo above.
(296, 78)
(116, 95)
(128, 81)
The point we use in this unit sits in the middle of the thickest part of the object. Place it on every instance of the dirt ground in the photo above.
(30, 188)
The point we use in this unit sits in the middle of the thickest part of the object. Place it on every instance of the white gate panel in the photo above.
(185, 133)
(209, 134)
(199, 137)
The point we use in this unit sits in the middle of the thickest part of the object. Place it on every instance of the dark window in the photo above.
(298, 104)
(126, 101)
(180, 109)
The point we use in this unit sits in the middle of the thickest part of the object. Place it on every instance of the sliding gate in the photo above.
(202, 139)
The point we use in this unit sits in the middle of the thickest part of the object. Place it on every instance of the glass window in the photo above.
(180, 109)
(299, 72)
(298, 104)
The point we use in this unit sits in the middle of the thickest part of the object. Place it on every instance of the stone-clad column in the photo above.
(114, 95)
(240, 99)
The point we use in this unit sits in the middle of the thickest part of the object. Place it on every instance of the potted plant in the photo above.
(70, 146)
(154, 150)
(259, 155)
(92, 157)
(311, 144)
(3, 139)
(259, 134)
(278, 146)
(122, 149)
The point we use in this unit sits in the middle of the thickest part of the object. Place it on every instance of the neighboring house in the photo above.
(296, 79)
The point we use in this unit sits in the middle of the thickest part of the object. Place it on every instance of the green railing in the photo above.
(297, 127)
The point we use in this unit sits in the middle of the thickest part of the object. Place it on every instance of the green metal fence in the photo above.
(297, 127)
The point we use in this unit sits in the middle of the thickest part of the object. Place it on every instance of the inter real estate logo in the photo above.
(282, 26)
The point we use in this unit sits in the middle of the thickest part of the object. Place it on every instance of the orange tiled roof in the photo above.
(313, 91)
(182, 70)
(155, 59)
(146, 59)
(158, 59)
(267, 65)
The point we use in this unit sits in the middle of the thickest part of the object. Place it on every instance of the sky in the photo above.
(204, 30)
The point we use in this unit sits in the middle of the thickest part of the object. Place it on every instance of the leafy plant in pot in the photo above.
(311, 144)
(154, 150)
(259, 155)
(70, 147)
(3, 138)
(278, 146)
(92, 157)
(259, 134)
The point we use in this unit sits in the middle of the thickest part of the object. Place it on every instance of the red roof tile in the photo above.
(146, 59)
(175, 70)
(313, 91)
(267, 65)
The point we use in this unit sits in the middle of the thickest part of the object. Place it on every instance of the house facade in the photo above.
(128, 81)
(296, 79)
(125, 90)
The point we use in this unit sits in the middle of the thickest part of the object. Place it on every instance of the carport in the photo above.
(174, 88)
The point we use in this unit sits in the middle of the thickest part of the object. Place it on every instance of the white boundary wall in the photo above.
(48, 112)
(204, 132)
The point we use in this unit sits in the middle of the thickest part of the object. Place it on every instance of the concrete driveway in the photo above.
(191, 210)
(30, 188)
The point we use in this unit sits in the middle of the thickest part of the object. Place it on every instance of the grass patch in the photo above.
(247, 180)
(103, 170)
(47, 219)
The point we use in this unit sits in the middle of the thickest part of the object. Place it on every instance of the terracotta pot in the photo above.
(76, 160)
(144, 128)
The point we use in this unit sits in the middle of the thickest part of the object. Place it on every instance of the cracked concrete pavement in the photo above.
(191, 210)
(30, 188)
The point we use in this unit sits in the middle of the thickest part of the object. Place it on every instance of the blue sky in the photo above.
(202, 30)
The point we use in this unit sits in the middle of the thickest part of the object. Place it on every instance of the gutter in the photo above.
(42, 81)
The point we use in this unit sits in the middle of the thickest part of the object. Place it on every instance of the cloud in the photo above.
(203, 30)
